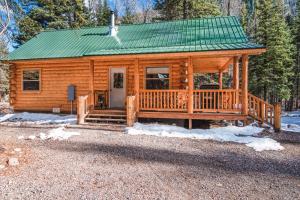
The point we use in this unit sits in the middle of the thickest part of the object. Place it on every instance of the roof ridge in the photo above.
(139, 24)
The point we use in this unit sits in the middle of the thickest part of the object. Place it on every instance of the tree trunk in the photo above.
(228, 8)
(185, 9)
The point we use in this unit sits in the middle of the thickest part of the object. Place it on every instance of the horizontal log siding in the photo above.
(56, 75)
(55, 78)
(102, 76)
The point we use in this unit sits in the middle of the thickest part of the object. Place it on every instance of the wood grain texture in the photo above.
(55, 78)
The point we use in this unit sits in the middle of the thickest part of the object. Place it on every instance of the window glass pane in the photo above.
(157, 78)
(31, 85)
(154, 84)
(118, 80)
(31, 75)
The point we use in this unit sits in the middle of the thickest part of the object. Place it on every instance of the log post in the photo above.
(236, 81)
(245, 61)
(131, 110)
(262, 111)
(136, 84)
(190, 89)
(277, 117)
(80, 110)
(92, 96)
(220, 80)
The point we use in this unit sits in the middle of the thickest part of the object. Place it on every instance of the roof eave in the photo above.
(210, 53)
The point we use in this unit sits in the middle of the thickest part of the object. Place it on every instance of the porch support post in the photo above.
(190, 89)
(220, 79)
(136, 83)
(236, 81)
(245, 61)
(92, 95)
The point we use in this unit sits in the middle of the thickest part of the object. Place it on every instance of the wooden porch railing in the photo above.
(225, 100)
(83, 108)
(264, 112)
(163, 100)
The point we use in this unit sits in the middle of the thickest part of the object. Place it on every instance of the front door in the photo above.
(117, 87)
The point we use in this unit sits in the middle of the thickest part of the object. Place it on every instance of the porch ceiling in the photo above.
(211, 65)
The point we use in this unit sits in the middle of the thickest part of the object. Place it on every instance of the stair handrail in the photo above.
(264, 112)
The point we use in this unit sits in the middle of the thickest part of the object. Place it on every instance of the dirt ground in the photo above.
(112, 165)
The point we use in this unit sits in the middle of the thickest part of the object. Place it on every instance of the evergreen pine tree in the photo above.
(270, 72)
(56, 14)
(295, 88)
(103, 13)
(129, 12)
(244, 16)
(182, 9)
(3, 69)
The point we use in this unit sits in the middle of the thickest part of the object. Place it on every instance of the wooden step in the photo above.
(105, 120)
(117, 112)
(107, 115)
(105, 124)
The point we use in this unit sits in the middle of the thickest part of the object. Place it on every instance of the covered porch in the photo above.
(171, 86)
(198, 100)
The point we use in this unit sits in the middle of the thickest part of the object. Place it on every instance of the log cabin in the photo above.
(162, 70)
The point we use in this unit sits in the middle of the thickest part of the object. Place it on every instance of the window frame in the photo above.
(40, 80)
(157, 66)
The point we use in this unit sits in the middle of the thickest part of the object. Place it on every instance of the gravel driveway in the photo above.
(111, 165)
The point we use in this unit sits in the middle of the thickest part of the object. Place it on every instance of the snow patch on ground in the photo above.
(54, 134)
(5, 117)
(290, 121)
(244, 135)
(39, 118)
(58, 134)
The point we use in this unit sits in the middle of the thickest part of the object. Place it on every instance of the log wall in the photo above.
(55, 78)
(57, 74)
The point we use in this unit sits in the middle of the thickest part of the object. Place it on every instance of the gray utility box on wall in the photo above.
(71, 92)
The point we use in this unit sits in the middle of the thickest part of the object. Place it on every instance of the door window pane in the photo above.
(118, 80)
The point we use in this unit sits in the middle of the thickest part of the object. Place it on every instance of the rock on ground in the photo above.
(13, 162)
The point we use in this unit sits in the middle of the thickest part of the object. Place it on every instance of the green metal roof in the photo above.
(206, 34)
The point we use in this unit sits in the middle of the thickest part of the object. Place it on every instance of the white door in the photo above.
(117, 87)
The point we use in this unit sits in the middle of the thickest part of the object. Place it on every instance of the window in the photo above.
(31, 80)
(157, 78)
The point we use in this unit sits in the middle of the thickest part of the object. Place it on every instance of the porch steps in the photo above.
(106, 117)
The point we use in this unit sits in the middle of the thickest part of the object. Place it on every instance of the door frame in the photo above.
(109, 83)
